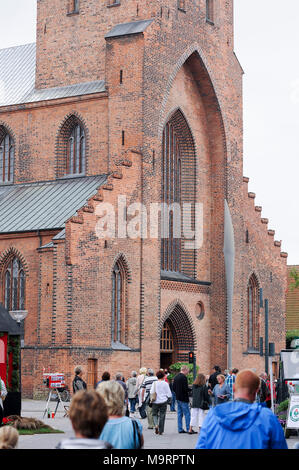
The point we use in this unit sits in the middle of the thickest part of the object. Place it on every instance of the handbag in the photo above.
(154, 394)
(205, 406)
(137, 435)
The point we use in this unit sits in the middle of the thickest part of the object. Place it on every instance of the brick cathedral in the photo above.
(138, 101)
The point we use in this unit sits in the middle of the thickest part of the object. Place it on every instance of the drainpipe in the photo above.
(229, 258)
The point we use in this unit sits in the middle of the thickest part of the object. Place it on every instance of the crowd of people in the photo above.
(228, 410)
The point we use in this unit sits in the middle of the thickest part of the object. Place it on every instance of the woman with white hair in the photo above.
(139, 382)
(120, 431)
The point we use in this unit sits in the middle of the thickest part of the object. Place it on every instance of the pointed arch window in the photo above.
(253, 313)
(6, 157)
(75, 161)
(119, 287)
(171, 194)
(14, 285)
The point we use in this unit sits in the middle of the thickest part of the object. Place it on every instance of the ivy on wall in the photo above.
(13, 346)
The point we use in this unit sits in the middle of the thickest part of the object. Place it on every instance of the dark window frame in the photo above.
(14, 285)
(119, 292)
(7, 157)
(76, 151)
(253, 312)
(171, 193)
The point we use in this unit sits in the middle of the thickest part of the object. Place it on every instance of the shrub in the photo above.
(283, 406)
(176, 368)
(290, 335)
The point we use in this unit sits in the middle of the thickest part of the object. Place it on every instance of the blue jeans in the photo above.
(132, 404)
(173, 400)
(183, 409)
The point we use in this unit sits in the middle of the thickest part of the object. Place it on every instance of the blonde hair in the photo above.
(143, 371)
(221, 376)
(9, 437)
(114, 396)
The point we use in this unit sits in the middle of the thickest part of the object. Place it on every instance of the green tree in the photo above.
(295, 275)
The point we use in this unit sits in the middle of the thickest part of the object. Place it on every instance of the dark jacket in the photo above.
(263, 392)
(213, 379)
(78, 384)
(180, 388)
(199, 395)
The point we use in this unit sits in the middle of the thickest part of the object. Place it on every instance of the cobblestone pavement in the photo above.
(169, 440)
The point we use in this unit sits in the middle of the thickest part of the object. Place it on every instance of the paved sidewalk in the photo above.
(169, 440)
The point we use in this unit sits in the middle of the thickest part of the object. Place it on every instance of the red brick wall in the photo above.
(36, 128)
(179, 62)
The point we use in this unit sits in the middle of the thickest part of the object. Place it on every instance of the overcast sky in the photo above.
(266, 42)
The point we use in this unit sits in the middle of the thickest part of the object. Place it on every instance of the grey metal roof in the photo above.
(17, 79)
(180, 277)
(60, 235)
(134, 27)
(44, 205)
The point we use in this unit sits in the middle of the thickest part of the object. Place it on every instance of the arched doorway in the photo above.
(167, 346)
(177, 337)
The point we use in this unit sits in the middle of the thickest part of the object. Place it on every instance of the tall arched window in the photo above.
(6, 156)
(171, 193)
(71, 148)
(14, 285)
(253, 313)
(178, 188)
(75, 162)
(119, 286)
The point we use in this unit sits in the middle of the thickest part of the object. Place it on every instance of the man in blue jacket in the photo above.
(242, 424)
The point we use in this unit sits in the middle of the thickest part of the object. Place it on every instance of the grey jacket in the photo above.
(131, 386)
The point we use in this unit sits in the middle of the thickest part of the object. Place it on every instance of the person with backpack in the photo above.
(78, 382)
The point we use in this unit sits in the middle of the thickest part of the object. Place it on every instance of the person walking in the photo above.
(200, 402)
(119, 379)
(181, 390)
(78, 382)
(173, 400)
(140, 380)
(221, 391)
(230, 380)
(161, 394)
(131, 387)
(120, 431)
(145, 396)
(242, 424)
